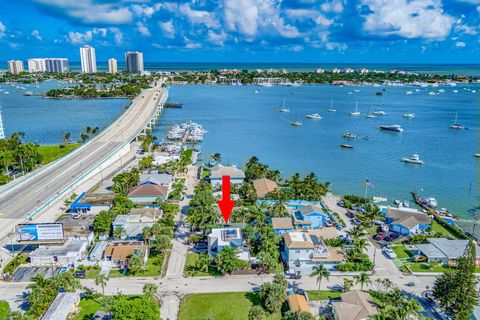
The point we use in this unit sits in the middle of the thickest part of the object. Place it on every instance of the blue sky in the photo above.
(337, 31)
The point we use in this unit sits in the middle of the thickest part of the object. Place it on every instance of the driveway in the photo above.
(23, 274)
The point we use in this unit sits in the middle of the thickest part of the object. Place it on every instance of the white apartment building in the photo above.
(36, 65)
(112, 65)
(134, 62)
(15, 66)
(54, 65)
(88, 59)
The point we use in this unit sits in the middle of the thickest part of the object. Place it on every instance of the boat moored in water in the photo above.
(414, 158)
(346, 146)
(409, 115)
(356, 112)
(313, 116)
(295, 123)
(349, 135)
(393, 127)
(457, 125)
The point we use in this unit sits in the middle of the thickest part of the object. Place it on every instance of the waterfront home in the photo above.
(406, 221)
(218, 171)
(63, 255)
(304, 250)
(220, 238)
(308, 217)
(445, 250)
(159, 179)
(132, 225)
(263, 186)
(282, 225)
(118, 254)
(297, 303)
(63, 307)
(147, 194)
(354, 305)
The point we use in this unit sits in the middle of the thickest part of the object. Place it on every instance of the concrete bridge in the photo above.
(26, 197)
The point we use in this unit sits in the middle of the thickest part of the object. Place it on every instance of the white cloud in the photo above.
(36, 34)
(117, 35)
(143, 29)
(332, 6)
(167, 28)
(2, 30)
(199, 17)
(301, 14)
(101, 31)
(241, 16)
(217, 38)
(321, 20)
(296, 48)
(78, 38)
(88, 12)
(189, 44)
(460, 44)
(408, 19)
(143, 10)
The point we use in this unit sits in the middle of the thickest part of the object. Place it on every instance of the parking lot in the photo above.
(23, 274)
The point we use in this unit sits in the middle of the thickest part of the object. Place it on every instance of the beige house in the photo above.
(298, 303)
(263, 186)
(355, 305)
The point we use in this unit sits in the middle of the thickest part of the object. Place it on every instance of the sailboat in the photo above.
(282, 108)
(455, 124)
(370, 115)
(295, 123)
(355, 113)
(331, 107)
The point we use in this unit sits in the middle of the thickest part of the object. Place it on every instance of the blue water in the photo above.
(46, 120)
(241, 123)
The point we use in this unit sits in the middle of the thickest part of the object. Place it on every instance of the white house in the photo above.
(304, 250)
(62, 255)
(218, 171)
(227, 237)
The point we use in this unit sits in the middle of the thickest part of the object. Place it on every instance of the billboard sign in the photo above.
(39, 232)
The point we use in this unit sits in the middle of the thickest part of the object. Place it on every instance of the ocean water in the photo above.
(242, 123)
(44, 121)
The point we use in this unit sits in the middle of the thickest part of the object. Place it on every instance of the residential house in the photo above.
(282, 225)
(297, 303)
(147, 194)
(160, 179)
(227, 237)
(62, 255)
(309, 217)
(218, 171)
(119, 253)
(263, 186)
(406, 221)
(354, 305)
(63, 307)
(304, 250)
(445, 250)
(133, 225)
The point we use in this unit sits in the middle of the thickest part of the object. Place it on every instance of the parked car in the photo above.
(80, 274)
(350, 214)
(419, 258)
(328, 223)
(356, 221)
(389, 253)
(379, 236)
(340, 203)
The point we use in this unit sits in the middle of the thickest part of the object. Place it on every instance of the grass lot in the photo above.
(4, 309)
(402, 252)
(90, 272)
(186, 156)
(206, 172)
(423, 267)
(436, 227)
(314, 295)
(225, 306)
(152, 268)
(192, 258)
(12, 265)
(53, 152)
(87, 308)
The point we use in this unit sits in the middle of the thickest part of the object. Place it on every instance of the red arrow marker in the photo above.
(226, 205)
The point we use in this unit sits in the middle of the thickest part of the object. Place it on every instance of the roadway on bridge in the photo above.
(31, 193)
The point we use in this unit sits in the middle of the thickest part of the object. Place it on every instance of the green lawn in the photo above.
(152, 268)
(436, 227)
(91, 272)
(423, 267)
(53, 152)
(4, 309)
(402, 252)
(18, 260)
(206, 172)
(190, 262)
(219, 306)
(314, 295)
(186, 156)
(87, 308)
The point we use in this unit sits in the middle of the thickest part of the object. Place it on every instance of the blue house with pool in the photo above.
(309, 217)
(406, 221)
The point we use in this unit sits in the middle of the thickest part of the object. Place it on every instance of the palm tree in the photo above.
(216, 157)
(387, 284)
(360, 244)
(101, 280)
(38, 282)
(347, 284)
(320, 272)
(6, 158)
(150, 290)
(357, 232)
(67, 137)
(362, 279)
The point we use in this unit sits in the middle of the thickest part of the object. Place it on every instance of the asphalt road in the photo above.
(19, 199)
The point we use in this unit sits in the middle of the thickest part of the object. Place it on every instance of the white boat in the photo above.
(409, 115)
(265, 84)
(414, 158)
(282, 108)
(409, 92)
(349, 135)
(455, 91)
(6, 92)
(313, 116)
(370, 116)
(331, 107)
(355, 113)
(441, 90)
(431, 93)
(456, 125)
(477, 155)
(393, 127)
(295, 123)
(28, 93)
(257, 91)
(379, 113)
